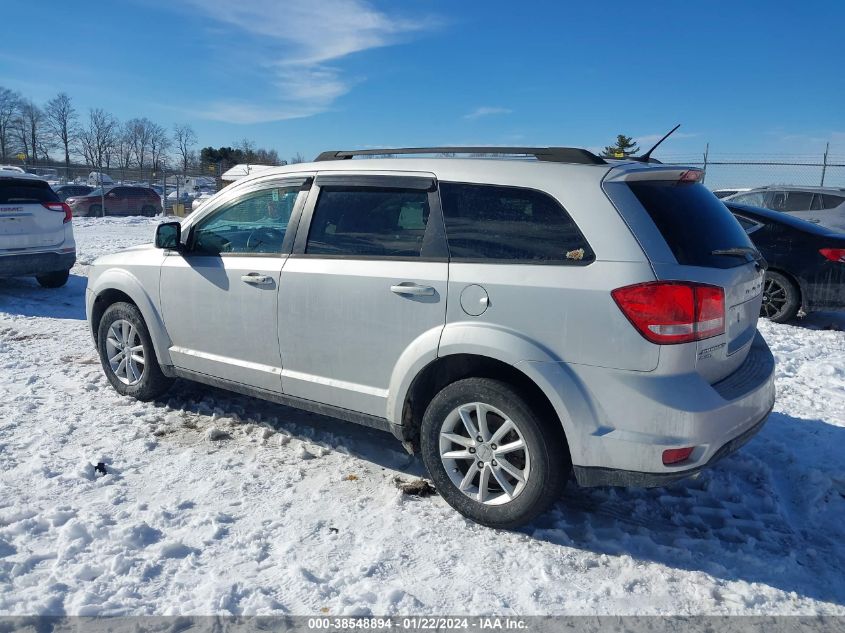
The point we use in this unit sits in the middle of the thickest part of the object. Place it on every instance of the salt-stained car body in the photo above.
(519, 322)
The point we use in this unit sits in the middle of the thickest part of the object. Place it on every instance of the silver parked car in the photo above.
(36, 232)
(819, 205)
(518, 322)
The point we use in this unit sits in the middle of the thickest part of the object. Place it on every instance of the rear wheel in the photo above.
(781, 299)
(56, 279)
(127, 354)
(490, 456)
(148, 211)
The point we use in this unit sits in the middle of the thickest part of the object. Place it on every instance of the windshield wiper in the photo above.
(748, 253)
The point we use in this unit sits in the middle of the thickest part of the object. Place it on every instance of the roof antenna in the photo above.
(647, 156)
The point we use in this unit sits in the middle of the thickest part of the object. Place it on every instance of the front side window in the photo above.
(369, 222)
(488, 222)
(254, 223)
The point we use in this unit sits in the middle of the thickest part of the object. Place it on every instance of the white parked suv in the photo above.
(36, 232)
(518, 322)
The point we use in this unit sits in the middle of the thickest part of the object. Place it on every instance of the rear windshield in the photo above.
(13, 190)
(693, 222)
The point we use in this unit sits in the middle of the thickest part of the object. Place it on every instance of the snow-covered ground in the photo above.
(217, 503)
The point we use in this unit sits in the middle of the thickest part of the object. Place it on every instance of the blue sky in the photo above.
(308, 75)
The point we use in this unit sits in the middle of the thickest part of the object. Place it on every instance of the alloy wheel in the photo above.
(774, 298)
(484, 453)
(125, 352)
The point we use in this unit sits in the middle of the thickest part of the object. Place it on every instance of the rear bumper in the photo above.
(825, 290)
(633, 417)
(588, 476)
(24, 264)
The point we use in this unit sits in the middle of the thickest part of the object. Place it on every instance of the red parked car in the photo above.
(120, 200)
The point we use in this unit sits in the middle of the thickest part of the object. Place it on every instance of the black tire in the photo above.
(151, 383)
(148, 211)
(55, 279)
(95, 211)
(781, 298)
(549, 455)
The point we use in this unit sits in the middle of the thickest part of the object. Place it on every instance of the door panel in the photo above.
(220, 300)
(367, 279)
(219, 324)
(342, 328)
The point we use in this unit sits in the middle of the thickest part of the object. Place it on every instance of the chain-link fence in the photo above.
(177, 190)
(729, 171)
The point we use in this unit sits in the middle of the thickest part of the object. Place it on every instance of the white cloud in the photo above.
(486, 111)
(297, 40)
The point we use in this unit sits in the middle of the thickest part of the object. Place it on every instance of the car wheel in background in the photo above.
(781, 299)
(95, 211)
(148, 211)
(489, 454)
(127, 354)
(56, 279)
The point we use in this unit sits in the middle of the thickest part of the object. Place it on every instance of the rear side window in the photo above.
(829, 201)
(693, 222)
(369, 221)
(488, 222)
(13, 190)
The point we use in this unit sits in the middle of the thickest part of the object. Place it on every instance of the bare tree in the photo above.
(32, 134)
(298, 158)
(61, 119)
(9, 102)
(123, 148)
(159, 144)
(98, 140)
(140, 131)
(185, 138)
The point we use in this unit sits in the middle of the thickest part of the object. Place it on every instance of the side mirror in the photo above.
(169, 235)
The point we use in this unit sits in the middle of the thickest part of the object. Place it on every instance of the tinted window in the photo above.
(829, 201)
(14, 190)
(693, 222)
(255, 223)
(756, 199)
(368, 221)
(798, 201)
(509, 223)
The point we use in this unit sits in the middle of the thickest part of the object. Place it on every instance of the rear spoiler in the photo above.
(631, 172)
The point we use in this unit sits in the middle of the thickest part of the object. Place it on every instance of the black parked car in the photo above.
(806, 262)
(68, 191)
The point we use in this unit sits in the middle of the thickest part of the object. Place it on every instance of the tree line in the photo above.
(29, 133)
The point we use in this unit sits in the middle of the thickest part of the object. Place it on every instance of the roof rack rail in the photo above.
(549, 154)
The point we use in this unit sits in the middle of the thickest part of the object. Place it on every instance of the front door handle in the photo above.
(256, 279)
(413, 289)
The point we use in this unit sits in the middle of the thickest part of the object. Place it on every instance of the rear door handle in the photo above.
(256, 279)
(406, 288)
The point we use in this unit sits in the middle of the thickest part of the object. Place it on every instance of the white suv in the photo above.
(36, 232)
(518, 322)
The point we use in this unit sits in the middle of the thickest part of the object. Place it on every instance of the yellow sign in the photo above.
(21, 156)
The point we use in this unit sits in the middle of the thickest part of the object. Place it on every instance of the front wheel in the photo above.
(489, 454)
(781, 299)
(127, 354)
(55, 279)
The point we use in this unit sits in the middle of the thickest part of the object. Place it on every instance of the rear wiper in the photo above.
(746, 252)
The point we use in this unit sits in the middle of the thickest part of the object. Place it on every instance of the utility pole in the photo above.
(706, 154)
(824, 162)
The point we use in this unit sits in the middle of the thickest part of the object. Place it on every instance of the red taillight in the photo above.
(676, 455)
(671, 312)
(62, 207)
(833, 254)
